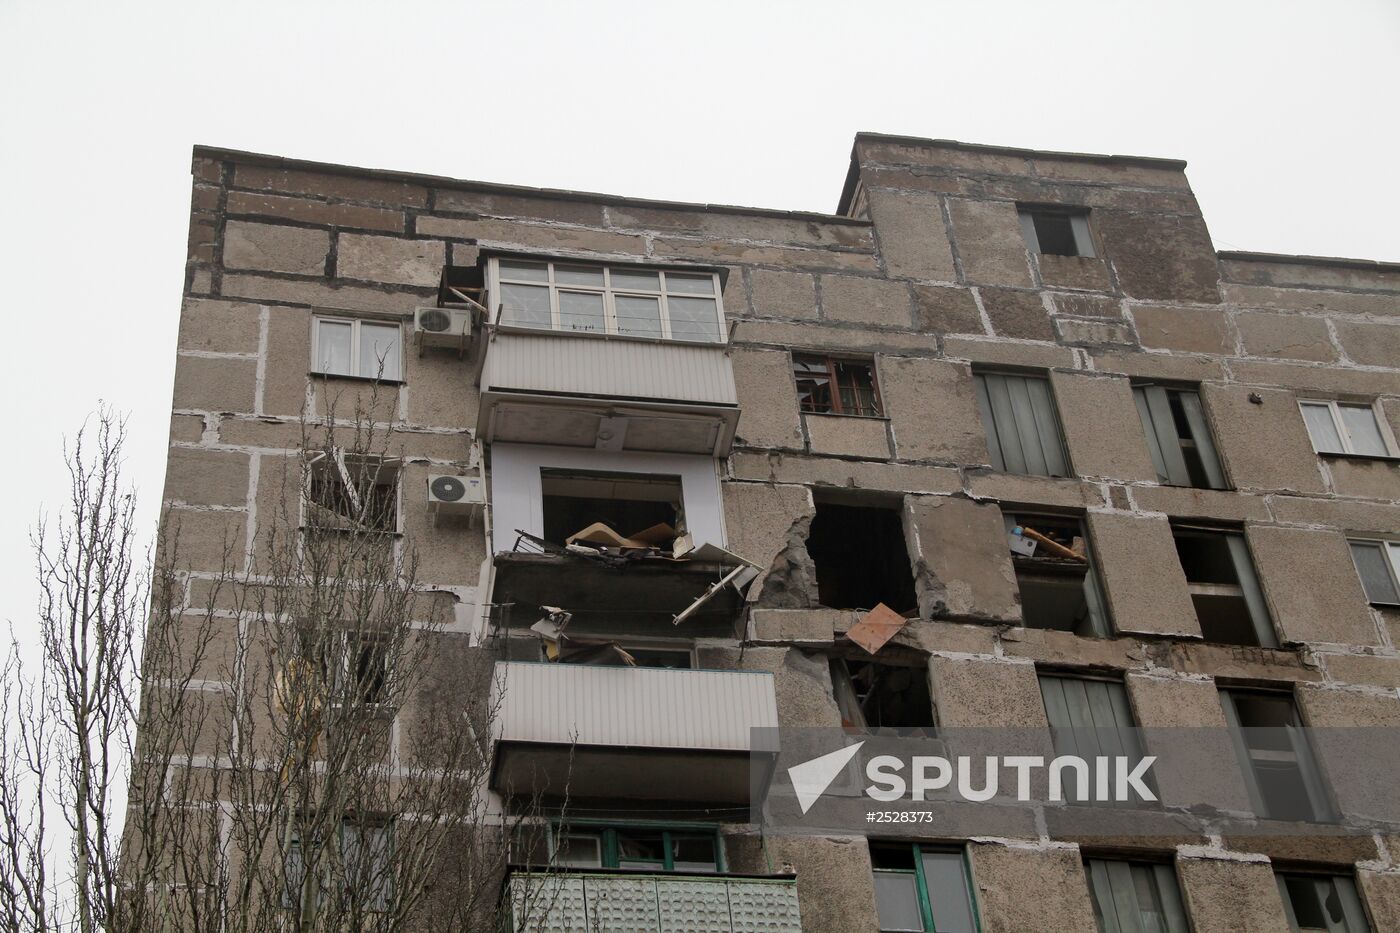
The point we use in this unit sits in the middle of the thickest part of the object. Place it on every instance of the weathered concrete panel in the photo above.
(1073, 272)
(1328, 708)
(1313, 592)
(1142, 575)
(1160, 256)
(1212, 775)
(822, 471)
(219, 326)
(390, 259)
(962, 566)
(206, 477)
(782, 294)
(913, 239)
(273, 248)
(215, 384)
(932, 407)
(288, 360)
(1288, 336)
(1018, 314)
(306, 210)
(326, 185)
(1189, 502)
(1102, 427)
(1025, 890)
(1371, 344)
(943, 309)
(971, 693)
(1381, 892)
(769, 416)
(767, 524)
(1229, 896)
(835, 886)
(1022, 489)
(844, 435)
(989, 242)
(866, 301)
(1263, 446)
(322, 294)
(1193, 330)
(1372, 479)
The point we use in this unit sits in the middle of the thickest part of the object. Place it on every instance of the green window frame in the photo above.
(611, 841)
(944, 905)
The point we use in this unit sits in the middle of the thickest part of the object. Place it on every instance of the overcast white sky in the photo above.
(1285, 112)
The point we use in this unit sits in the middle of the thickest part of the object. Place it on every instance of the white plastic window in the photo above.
(624, 301)
(349, 347)
(1345, 428)
(1378, 564)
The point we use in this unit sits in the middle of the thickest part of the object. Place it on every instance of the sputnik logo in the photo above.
(811, 778)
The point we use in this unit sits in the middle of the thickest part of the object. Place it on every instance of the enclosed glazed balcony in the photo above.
(607, 357)
(628, 732)
(663, 903)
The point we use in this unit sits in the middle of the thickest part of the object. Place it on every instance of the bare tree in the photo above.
(313, 733)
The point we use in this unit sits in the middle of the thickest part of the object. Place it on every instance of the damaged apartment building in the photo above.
(1010, 411)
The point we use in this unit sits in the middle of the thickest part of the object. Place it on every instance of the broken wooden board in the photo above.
(876, 627)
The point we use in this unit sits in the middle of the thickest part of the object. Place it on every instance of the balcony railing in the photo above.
(645, 903)
(632, 732)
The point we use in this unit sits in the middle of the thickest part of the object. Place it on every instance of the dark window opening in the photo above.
(1178, 438)
(1055, 574)
(1322, 902)
(1057, 232)
(615, 654)
(861, 559)
(368, 663)
(874, 695)
(352, 492)
(626, 503)
(836, 387)
(1224, 590)
(1284, 778)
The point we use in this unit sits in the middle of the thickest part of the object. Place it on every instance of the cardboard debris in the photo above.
(657, 535)
(600, 535)
(876, 627)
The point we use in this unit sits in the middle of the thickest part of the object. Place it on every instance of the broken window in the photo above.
(860, 558)
(1378, 563)
(622, 654)
(361, 672)
(1224, 590)
(830, 386)
(1055, 574)
(1341, 428)
(1056, 231)
(688, 850)
(352, 492)
(1023, 431)
(627, 503)
(630, 301)
(922, 888)
(1089, 717)
(1280, 770)
(1178, 437)
(1324, 903)
(351, 347)
(1135, 896)
(876, 695)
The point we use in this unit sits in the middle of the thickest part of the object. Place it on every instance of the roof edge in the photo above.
(1339, 262)
(463, 184)
(1155, 161)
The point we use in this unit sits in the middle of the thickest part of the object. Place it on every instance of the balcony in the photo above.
(631, 732)
(669, 903)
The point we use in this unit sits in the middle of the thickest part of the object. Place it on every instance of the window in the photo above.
(1342, 428)
(366, 852)
(1057, 232)
(861, 558)
(1055, 574)
(623, 654)
(1321, 903)
(922, 888)
(1378, 563)
(360, 671)
(628, 301)
(875, 695)
(688, 850)
(367, 349)
(1023, 431)
(1224, 590)
(1178, 437)
(1088, 718)
(1282, 777)
(1135, 896)
(628, 503)
(351, 492)
(828, 386)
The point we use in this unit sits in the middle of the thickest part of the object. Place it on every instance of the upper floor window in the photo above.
(1178, 437)
(1088, 718)
(628, 301)
(1055, 574)
(1023, 432)
(1135, 896)
(639, 848)
(922, 888)
(352, 492)
(1280, 771)
(351, 347)
(1378, 563)
(1224, 589)
(1056, 231)
(1321, 902)
(830, 386)
(1345, 428)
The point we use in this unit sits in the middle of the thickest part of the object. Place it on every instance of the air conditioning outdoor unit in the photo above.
(443, 327)
(455, 496)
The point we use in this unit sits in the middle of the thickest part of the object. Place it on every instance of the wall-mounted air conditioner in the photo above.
(456, 496)
(443, 327)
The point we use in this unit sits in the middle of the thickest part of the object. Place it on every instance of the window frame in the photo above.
(1334, 407)
(1119, 707)
(1169, 460)
(1100, 622)
(1390, 555)
(1304, 758)
(832, 362)
(1251, 590)
(1174, 905)
(1348, 894)
(609, 295)
(607, 833)
(1080, 230)
(355, 360)
(987, 407)
(921, 887)
(340, 465)
(345, 681)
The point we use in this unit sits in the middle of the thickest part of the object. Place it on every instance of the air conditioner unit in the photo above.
(455, 496)
(443, 327)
